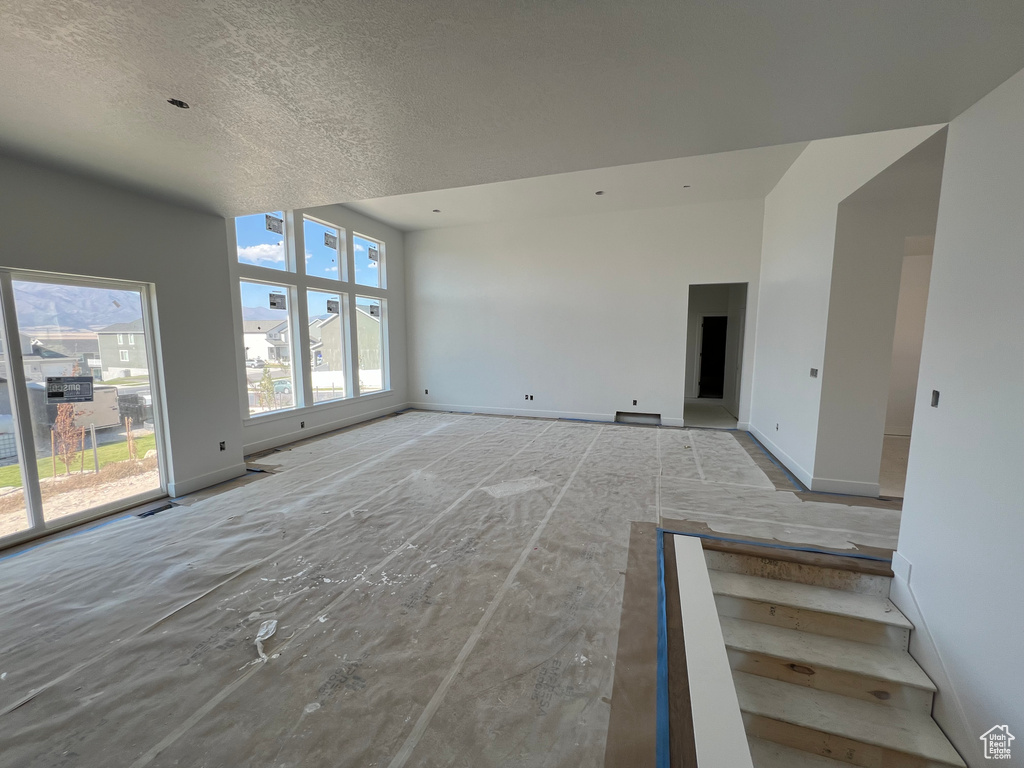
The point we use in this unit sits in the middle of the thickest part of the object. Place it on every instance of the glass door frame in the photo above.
(18, 387)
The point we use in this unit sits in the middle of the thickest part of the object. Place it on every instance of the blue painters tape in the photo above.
(813, 550)
(662, 734)
(796, 483)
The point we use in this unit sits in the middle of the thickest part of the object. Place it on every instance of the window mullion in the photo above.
(300, 372)
(350, 305)
(20, 411)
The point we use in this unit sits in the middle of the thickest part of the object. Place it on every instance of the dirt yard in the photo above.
(67, 494)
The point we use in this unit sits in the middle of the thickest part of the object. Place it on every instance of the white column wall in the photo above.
(854, 379)
(959, 566)
(796, 273)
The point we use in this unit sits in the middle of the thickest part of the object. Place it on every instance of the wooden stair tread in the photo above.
(872, 661)
(840, 560)
(897, 730)
(805, 597)
(768, 754)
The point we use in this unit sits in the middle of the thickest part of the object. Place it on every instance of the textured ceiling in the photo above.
(746, 173)
(308, 103)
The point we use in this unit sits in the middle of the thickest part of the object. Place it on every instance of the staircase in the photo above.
(821, 667)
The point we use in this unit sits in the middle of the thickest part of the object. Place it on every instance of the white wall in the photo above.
(796, 272)
(854, 377)
(586, 313)
(267, 431)
(56, 222)
(906, 345)
(963, 514)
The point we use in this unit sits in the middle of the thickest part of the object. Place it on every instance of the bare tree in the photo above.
(66, 435)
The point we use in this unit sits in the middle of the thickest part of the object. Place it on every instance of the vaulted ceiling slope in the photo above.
(297, 104)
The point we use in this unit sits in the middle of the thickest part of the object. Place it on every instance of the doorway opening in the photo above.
(711, 359)
(714, 350)
(906, 364)
(80, 427)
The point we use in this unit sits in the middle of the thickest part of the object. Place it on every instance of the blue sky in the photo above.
(262, 248)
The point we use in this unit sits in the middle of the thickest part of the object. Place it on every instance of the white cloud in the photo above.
(264, 252)
(331, 269)
(360, 248)
(308, 255)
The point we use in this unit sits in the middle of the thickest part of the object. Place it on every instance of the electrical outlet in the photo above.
(426, 391)
(302, 425)
(935, 398)
(526, 397)
(814, 373)
(776, 427)
(634, 402)
(223, 445)
(531, 397)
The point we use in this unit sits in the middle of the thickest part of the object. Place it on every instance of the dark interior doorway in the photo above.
(712, 357)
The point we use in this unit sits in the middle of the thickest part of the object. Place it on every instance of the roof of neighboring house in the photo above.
(261, 326)
(135, 326)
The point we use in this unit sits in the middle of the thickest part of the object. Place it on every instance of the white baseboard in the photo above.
(848, 487)
(743, 426)
(176, 488)
(802, 474)
(603, 417)
(948, 710)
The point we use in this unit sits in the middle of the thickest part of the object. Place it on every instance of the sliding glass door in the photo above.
(79, 409)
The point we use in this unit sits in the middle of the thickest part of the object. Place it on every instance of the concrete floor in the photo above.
(447, 591)
(707, 413)
(892, 477)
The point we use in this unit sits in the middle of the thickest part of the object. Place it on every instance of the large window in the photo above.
(327, 314)
(307, 338)
(266, 337)
(80, 430)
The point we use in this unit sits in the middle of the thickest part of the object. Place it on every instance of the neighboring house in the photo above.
(73, 344)
(39, 361)
(368, 336)
(327, 353)
(277, 341)
(266, 339)
(254, 338)
(123, 350)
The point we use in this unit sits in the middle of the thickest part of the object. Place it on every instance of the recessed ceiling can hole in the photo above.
(437, 210)
(599, 192)
(178, 103)
(686, 186)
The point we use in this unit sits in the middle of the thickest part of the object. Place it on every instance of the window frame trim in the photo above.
(298, 282)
